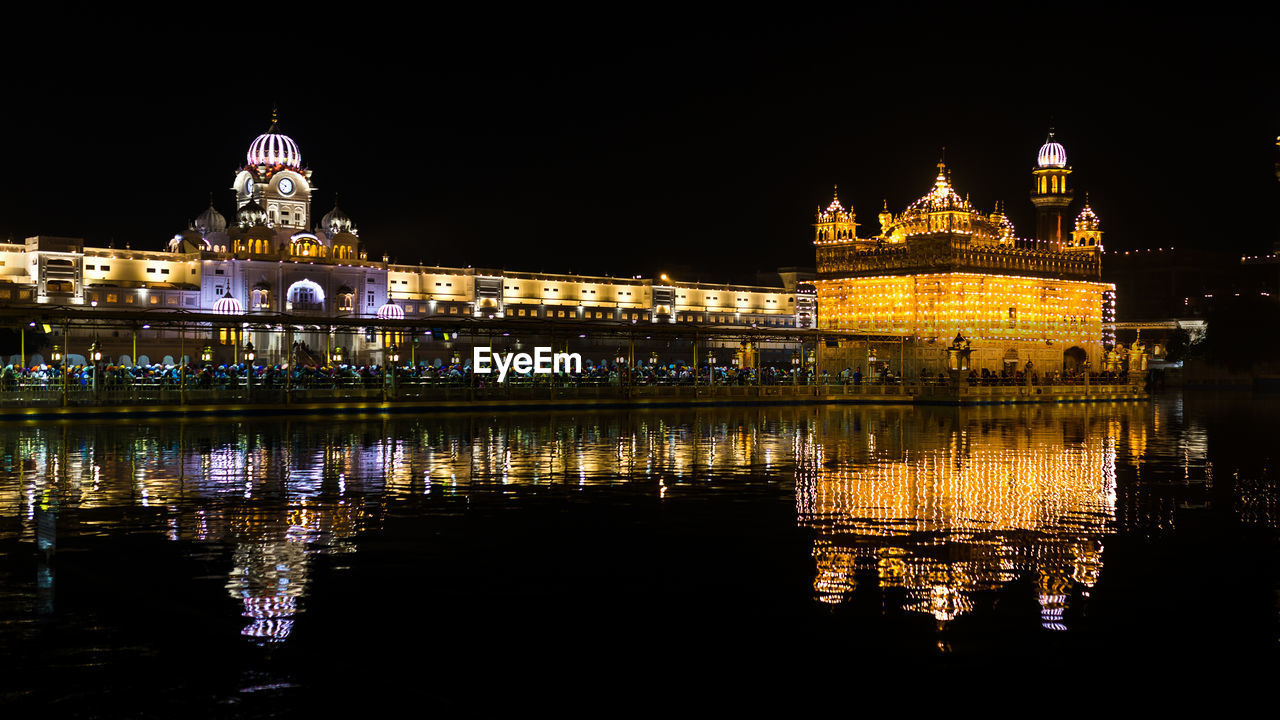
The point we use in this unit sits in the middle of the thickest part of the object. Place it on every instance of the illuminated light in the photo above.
(390, 311)
(310, 284)
(272, 149)
(1051, 154)
(228, 306)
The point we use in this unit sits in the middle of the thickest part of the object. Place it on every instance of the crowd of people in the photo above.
(204, 376)
(235, 375)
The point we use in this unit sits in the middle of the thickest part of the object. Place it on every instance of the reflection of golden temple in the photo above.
(968, 507)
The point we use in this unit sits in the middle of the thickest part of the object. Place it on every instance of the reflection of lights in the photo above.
(260, 608)
(1052, 608)
(936, 505)
(946, 603)
(965, 492)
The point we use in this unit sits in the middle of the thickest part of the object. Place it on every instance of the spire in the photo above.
(1087, 219)
(835, 205)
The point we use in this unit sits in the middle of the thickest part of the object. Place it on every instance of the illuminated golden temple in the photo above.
(941, 270)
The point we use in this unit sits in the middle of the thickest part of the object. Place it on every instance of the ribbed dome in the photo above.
(210, 221)
(228, 306)
(335, 221)
(251, 213)
(274, 148)
(1052, 154)
(390, 311)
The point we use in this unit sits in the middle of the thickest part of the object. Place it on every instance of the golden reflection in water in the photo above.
(939, 503)
(951, 502)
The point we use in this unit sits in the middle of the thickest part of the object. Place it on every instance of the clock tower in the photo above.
(274, 178)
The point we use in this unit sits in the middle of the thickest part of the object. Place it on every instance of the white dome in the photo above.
(273, 148)
(335, 221)
(1052, 154)
(228, 306)
(250, 214)
(210, 221)
(390, 311)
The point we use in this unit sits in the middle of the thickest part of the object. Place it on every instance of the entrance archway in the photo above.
(305, 295)
(1073, 359)
(1010, 361)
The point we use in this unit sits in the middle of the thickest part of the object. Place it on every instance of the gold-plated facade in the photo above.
(942, 269)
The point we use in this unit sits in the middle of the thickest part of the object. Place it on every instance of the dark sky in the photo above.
(643, 146)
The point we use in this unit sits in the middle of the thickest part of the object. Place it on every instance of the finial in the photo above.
(1086, 198)
(885, 202)
(210, 199)
(1050, 138)
(275, 115)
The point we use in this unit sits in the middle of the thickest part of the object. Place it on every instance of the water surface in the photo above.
(254, 566)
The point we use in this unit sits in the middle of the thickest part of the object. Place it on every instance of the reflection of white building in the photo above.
(268, 578)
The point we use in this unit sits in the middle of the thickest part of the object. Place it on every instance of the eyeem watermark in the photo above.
(541, 362)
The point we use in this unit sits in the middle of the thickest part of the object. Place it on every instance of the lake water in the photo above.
(251, 567)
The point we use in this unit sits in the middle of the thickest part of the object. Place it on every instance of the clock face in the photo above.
(248, 187)
(286, 186)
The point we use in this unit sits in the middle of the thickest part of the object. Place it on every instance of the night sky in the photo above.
(702, 149)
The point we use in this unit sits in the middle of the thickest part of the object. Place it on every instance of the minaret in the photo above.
(1049, 191)
(835, 223)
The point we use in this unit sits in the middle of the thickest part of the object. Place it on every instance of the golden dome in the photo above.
(941, 197)
(942, 210)
(1087, 219)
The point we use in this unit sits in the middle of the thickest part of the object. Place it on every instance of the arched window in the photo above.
(305, 295)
